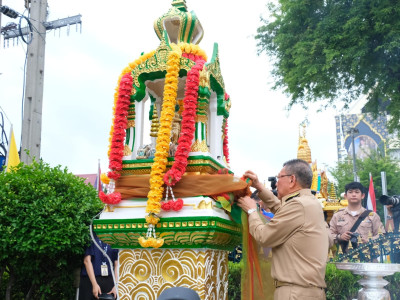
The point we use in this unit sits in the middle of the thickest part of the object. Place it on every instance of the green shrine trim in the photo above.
(177, 232)
(193, 161)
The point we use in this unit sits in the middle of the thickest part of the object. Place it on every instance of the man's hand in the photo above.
(345, 236)
(246, 203)
(96, 291)
(253, 176)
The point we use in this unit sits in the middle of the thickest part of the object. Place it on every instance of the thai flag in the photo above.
(371, 201)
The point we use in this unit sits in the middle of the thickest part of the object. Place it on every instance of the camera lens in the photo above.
(390, 200)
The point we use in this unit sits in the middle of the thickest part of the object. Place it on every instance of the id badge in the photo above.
(104, 270)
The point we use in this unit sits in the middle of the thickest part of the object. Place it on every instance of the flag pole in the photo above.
(384, 192)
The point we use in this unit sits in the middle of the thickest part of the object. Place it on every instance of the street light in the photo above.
(352, 132)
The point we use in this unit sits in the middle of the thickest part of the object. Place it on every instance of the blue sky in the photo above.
(81, 72)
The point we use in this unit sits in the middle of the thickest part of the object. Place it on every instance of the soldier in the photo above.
(297, 233)
(354, 220)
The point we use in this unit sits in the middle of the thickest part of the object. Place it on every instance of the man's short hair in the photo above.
(354, 186)
(302, 170)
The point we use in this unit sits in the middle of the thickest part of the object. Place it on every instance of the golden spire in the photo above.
(332, 192)
(155, 123)
(304, 151)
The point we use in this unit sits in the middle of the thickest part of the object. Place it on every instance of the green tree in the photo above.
(328, 50)
(374, 164)
(44, 218)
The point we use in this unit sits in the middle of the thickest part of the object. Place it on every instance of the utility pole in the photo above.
(33, 102)
(32, 122)
(352, 132)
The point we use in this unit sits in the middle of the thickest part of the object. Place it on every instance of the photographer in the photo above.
(393, 219)
(354, 221)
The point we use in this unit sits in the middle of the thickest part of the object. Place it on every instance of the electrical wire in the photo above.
(30, 30)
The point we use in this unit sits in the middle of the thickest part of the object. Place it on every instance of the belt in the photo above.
(278, 284)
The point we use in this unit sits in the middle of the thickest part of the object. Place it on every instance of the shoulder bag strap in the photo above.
(359, 220)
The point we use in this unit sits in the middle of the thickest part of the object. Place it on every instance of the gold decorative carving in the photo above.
(127, 151)
(202, 118)
(145, 273)
(131, 124)
(204, 205)
(215, 71)
(158, 62)
(202, 166)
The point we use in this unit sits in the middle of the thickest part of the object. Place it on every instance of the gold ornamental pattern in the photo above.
(145, 273)
(158, 62)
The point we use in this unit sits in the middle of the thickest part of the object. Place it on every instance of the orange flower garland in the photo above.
(162, 146)
(188, 124)
(131, 66)
(119, 123)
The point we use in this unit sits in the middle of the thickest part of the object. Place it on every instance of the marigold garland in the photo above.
(162, 146)
(188, 124)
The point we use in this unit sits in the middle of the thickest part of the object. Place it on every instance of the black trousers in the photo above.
(106, 284)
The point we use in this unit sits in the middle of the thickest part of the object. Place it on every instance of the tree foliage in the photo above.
(44, 220)
(374, 164)
(335, 50)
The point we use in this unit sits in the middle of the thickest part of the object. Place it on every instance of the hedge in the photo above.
(341, 285)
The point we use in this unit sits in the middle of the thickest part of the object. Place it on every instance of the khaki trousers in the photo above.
(296, 292)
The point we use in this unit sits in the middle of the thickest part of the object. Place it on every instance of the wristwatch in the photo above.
(389, 217)
(251, 210)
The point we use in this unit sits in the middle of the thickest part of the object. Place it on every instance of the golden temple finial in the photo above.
(155, 123)
(180, 25)
(332, 192)
(303, 150)
(180, 4)
(340, 252)
(390, 229)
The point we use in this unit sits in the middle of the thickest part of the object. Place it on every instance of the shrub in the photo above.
(44, 220)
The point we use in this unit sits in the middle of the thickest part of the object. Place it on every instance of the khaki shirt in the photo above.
(343, 221)
(298, 236)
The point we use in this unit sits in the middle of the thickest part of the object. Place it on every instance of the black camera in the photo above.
(394, 201)
(354, 238)
(390, 200)
(273, 181)
(104, 296)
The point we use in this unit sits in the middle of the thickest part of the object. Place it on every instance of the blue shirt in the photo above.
(98, 258)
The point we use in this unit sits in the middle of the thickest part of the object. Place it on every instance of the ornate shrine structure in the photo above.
(169, 201)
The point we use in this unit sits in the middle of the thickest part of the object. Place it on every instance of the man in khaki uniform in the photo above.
(343, 220)
(297, 233)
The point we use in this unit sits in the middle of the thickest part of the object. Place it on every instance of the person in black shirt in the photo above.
(96, 275)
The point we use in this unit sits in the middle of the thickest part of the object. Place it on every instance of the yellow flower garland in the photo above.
(193, 49)
(131, 66)
(154, 196)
